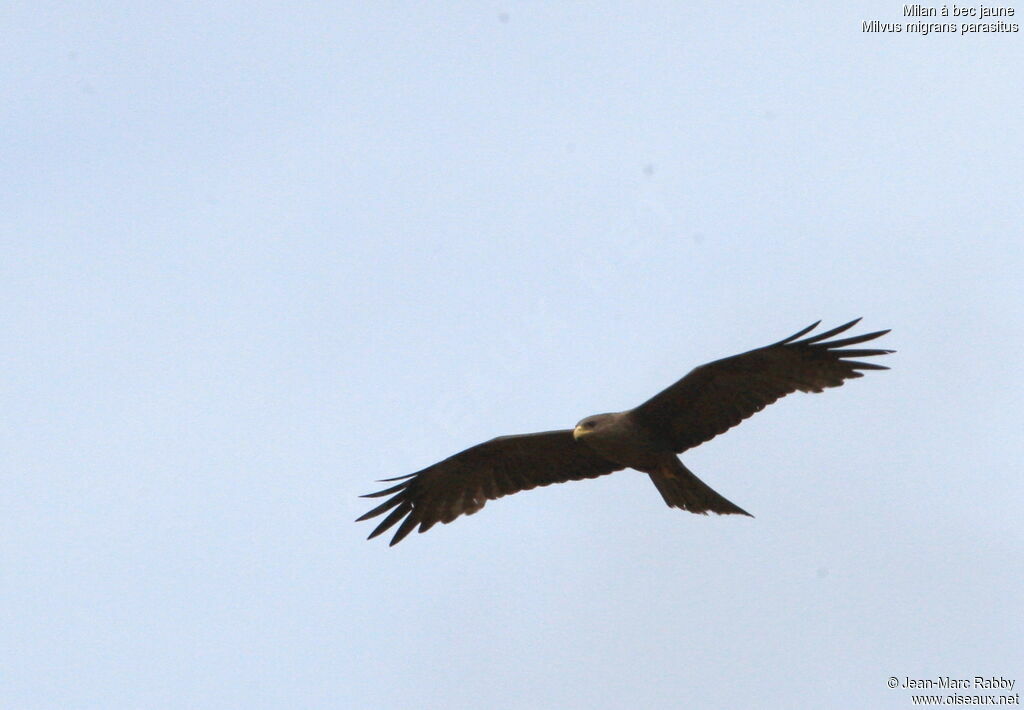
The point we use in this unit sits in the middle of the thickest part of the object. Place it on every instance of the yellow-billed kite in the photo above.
(708, 401)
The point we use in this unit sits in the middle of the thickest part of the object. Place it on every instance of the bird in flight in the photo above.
(709, 400)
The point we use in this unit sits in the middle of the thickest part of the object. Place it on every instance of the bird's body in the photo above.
(619, 438)
(709, 400)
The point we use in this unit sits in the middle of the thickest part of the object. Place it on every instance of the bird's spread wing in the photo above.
(463, 483)
(719, 395)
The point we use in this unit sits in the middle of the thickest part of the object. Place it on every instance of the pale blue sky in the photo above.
(256, 256)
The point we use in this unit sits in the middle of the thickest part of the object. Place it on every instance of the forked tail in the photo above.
(682, 489)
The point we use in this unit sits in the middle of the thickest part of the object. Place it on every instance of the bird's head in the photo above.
(587, 426)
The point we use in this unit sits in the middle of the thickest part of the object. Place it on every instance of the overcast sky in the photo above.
(256, 256)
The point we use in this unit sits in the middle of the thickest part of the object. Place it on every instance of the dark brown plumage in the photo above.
(709, 400)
